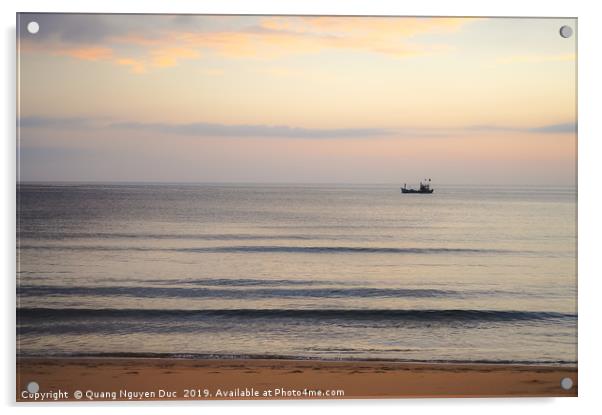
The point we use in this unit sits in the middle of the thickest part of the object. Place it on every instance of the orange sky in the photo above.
(298, 99)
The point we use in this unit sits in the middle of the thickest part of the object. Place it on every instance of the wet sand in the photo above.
(145, 379)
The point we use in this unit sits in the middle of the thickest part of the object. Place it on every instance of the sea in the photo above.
(479, 274)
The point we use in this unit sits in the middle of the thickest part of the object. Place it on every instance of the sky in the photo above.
(184, 98)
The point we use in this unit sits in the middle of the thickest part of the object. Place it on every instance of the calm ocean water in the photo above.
(331, 272)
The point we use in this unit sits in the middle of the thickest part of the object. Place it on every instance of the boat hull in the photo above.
(414, 191)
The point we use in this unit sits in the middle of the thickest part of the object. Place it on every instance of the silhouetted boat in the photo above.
(425, 188)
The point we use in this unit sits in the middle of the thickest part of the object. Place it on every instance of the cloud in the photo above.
(96, 37)
(242, 130)
(169, 56)
(137, 66)
(89, 53)
(556, 128)
(203, 129)
(60, 122)
(81, 28)
(275, 36)
(384, 28)
(156, 41)
(561, 128)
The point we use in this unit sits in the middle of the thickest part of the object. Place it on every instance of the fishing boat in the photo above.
(425, 188)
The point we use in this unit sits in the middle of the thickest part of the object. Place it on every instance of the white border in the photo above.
(590, 209)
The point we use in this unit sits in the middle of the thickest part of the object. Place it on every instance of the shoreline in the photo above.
(143, 378)
(300, 359)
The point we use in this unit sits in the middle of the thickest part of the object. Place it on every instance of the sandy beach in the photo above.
(181, 379)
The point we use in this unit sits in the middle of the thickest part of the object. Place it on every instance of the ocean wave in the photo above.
(338, 249)
(427, 315)
(275, 249)
(236, 282)
(40, 235)
(195, 292)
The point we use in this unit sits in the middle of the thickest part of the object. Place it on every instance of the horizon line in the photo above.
(397, 184)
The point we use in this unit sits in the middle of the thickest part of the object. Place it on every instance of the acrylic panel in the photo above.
(295, 207)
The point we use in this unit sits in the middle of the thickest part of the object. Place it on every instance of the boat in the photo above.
(425, 188)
